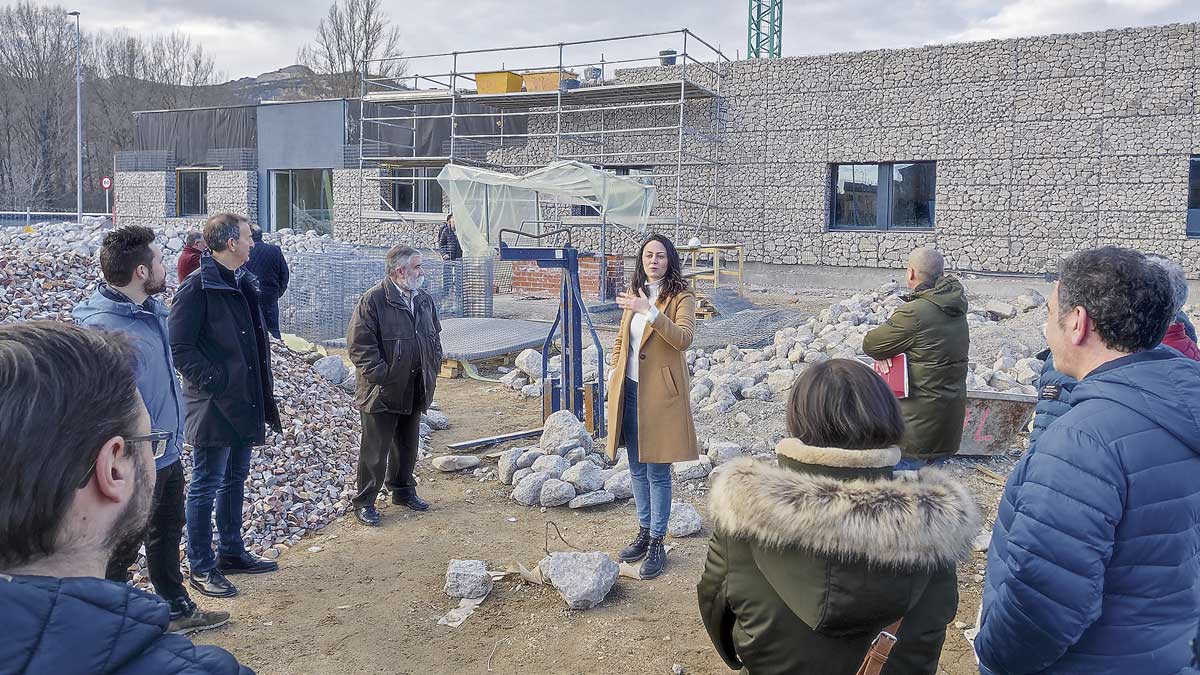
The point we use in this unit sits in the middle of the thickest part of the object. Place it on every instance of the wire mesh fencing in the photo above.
(326, 286)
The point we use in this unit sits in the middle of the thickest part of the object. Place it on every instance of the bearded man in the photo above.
(132, 265)
(394, 341)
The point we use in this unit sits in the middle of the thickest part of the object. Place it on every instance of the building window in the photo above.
(413, 190)
(191, 193)
(1193, 214)
(890, 196)
(302, 199)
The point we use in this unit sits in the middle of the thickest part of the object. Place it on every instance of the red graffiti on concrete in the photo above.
(979, 435)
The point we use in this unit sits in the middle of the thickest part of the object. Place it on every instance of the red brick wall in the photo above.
(529, 278)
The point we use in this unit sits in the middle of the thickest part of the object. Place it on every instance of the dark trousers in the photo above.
(218, 475)
(270, 310)
(163, 535)
(388, 453)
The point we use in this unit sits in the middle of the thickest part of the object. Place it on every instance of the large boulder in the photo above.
(692, 470)
(563, 432)
(506, 466)
(468, 579)
(592, 499)
(520, 474)
(528, 457)
(781, 381)
(332, 368)
(684, 521)
(722, 451)
(551, 464)
(556, 493)
(530, 363)
(515, 379)
(450, 463)
(582, 579)
(1000, 310)
(759, 392)
(620, 484)
(529, 491)
(585, 476)
(436, 420)
(1029, 300)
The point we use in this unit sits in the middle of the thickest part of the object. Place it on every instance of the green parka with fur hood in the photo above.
(810, 559)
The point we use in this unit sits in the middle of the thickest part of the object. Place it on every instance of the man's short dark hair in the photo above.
(123, 250)
(1128, 300)
(222, 227)
(842, 403)
(67, 390)
(192, 237)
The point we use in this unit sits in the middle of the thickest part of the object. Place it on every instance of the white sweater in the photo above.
(637, 329)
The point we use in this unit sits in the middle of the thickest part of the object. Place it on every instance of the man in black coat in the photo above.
(394, 340)
(222, 351)
(270, 267)
(76, 490)
(452, 253)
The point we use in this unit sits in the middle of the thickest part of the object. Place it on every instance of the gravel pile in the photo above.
(304, 477)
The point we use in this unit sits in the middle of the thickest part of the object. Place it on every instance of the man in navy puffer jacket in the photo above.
(77, 457)
(1093, 564)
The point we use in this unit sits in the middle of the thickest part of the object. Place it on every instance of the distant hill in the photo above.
(292, 83)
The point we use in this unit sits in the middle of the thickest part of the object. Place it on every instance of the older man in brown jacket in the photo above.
(394, 341)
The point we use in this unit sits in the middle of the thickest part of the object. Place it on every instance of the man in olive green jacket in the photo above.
(931, 329)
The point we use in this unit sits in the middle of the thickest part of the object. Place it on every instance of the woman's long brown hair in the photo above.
(673, 282)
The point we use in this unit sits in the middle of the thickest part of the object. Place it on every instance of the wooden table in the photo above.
(693, 268)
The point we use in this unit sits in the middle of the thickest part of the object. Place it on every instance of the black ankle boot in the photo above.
(656, 559)
(637, 549)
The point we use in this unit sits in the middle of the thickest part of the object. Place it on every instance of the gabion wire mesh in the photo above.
(326, 286)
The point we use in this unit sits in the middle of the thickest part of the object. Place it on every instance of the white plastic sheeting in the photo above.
(484, 201)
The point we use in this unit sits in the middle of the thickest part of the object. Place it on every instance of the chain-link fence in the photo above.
(325, 288)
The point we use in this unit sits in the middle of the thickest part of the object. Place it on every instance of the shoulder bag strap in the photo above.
(880, 649)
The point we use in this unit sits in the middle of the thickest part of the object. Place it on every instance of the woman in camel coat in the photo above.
(649, 407)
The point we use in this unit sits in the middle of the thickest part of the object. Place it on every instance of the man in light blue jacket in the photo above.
(132, 266)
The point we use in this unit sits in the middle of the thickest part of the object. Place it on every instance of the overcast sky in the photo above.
(249, 37)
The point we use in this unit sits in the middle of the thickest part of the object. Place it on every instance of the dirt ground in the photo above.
(368, 600)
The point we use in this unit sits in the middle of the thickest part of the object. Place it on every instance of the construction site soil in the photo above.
(363, 600)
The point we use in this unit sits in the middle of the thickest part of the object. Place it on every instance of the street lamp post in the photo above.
(78, 120)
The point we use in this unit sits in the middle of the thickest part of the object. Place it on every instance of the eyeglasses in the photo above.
(158, 441)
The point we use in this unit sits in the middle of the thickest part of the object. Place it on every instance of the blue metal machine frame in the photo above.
(572, 312)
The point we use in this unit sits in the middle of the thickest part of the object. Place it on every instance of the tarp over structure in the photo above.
(483, 201)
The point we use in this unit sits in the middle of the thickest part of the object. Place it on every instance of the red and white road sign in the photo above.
(106, 182)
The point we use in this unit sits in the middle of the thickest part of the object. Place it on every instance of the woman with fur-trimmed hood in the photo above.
(810, 559)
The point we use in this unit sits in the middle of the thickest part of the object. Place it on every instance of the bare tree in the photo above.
(352, 33)
(37, 54)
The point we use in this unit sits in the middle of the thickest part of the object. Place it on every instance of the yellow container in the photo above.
(497, 82)
(547, 80)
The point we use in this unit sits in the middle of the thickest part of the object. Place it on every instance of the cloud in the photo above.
(251, 37)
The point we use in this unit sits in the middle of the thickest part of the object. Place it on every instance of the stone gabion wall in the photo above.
(1044, 146)
(352, 196)
(148, 197)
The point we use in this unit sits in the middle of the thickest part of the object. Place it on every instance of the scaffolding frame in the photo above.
(389, 104)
